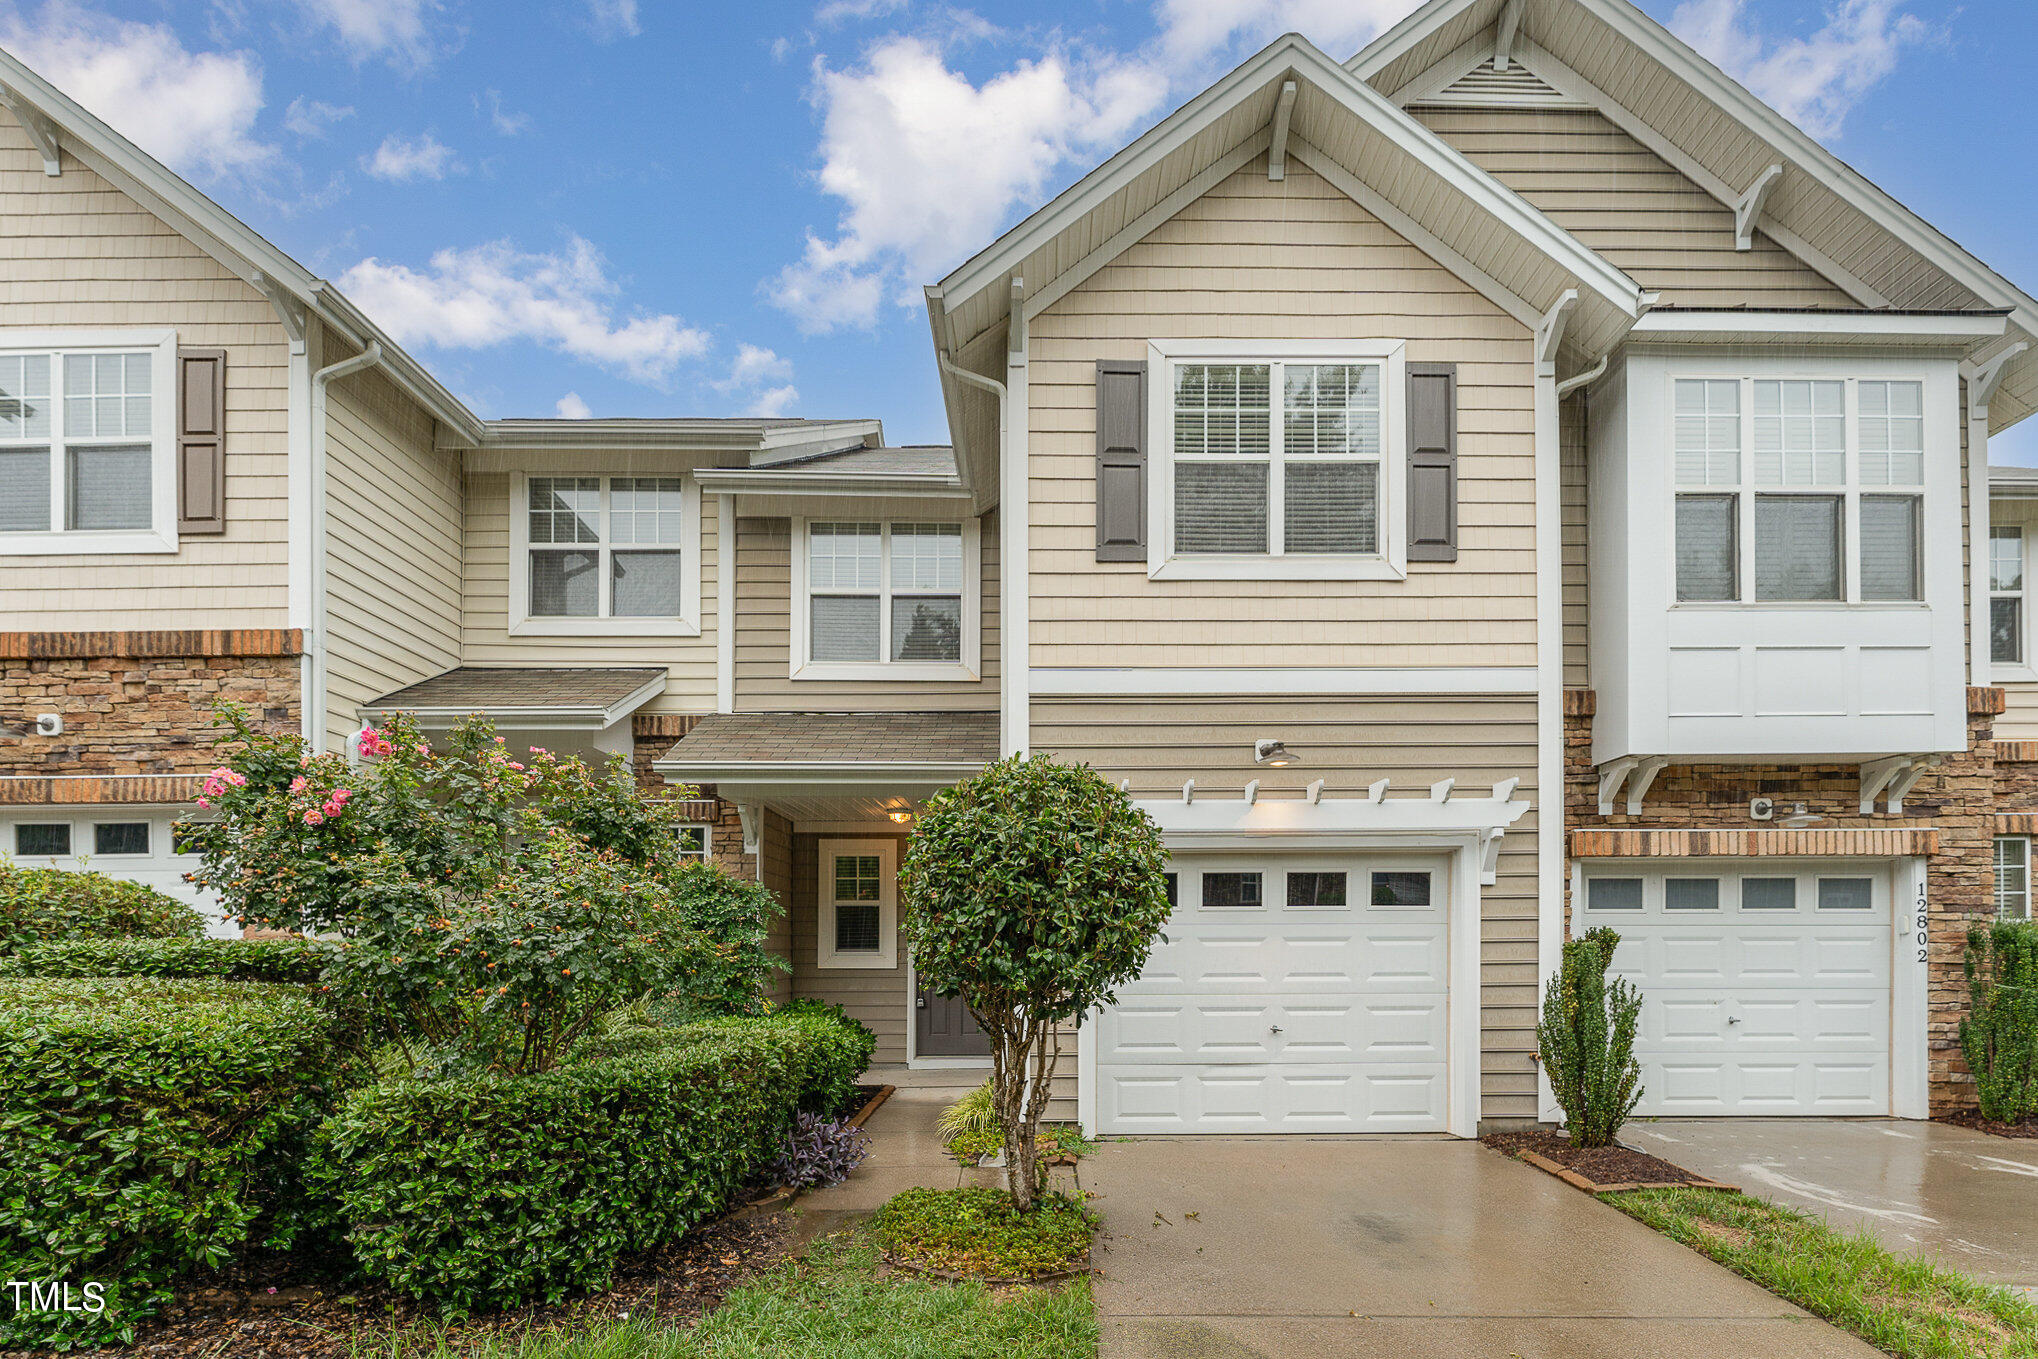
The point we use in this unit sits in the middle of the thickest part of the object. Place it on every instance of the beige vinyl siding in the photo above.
(764, 637)
(1157, 743)
(393, 556)
(1260, 260)
(1627, 203)
(485, 604)
(874, 997)
(76, 253)
(2019, 721)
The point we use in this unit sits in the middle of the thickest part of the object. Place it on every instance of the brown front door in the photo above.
(944, 1027)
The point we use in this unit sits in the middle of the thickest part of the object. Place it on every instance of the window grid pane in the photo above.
(1800, 433)
(2013, 877)
(1331, 410)
(1222, 409)
(565, 509)
(1892, 424)
(107, 396)
(24, 396)
(927, 557)
(2005, 559)
(647, 510)
(844, 556)
(1708, 433)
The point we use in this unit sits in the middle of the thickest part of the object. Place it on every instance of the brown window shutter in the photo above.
(1432, 462)
(201, 441)
(1121, 460)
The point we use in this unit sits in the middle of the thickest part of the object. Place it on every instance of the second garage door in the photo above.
(1765, 985)
(1292, 994)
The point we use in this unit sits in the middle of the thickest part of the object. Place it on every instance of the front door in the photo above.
(944, 1027)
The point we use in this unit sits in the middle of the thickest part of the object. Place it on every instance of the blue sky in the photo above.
(636, 207)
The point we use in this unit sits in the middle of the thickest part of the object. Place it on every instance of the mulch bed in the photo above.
(1596, 1170)
(278, 1307)
(1971, 1118)
(866, 1101)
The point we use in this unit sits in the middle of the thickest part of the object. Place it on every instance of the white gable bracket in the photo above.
(1612, 775)
(1550, 330)
(1748, 210)
(1983, 378)
(1506, 32)
(1277, 151)
(41, 131)
(1642, 779)
(752, 817)
(289, 310)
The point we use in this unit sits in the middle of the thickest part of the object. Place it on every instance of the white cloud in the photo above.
(397, 31)
(504, 122)
(613, 19)
(493, 294)
(774, 401)
(929, 164)
(194, 111)
(571, 407)
(312, 118)
(1814, 80)
(761, 376)
(854, 11)
(403, 159)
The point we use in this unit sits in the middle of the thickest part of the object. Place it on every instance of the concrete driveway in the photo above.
(1223, 1248)
(1953, 1195)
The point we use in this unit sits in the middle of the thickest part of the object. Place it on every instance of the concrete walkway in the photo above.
(1953, 1195)
(1223, 1248)
(905, 1153)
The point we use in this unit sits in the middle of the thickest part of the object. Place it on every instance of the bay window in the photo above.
(895, 600)
(607, 554)
(1281, 464)
(88, 444)
(1796, 490)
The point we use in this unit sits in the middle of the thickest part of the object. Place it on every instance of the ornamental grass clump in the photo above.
(1587, 1041)
(1999, 1036)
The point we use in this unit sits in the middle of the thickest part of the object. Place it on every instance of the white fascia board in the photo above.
(540, 435)
(945, 490)
(1214, 823)
(749, 781)
(1103, 682)
(1294, 54)
(1955, 329)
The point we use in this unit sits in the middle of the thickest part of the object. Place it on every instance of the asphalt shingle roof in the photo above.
(840, 738)
(480, 688)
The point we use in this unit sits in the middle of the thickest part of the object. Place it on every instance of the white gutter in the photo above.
(313, 696)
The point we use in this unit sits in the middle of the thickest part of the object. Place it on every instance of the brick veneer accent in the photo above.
(1956, 803)
(126, 716)
(29, 646)
(85, 790)
(1806, 844)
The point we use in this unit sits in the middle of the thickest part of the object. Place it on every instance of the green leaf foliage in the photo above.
(291, 961)
(1587, 1041)
(978, 1231)
(149, 1127)
(1999, 1035)
(41, 904)
(493, 1190)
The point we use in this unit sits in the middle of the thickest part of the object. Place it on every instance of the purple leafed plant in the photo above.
(819, 1151)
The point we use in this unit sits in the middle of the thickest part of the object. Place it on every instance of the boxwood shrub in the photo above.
(51, 903)
(290, 961)
(148, 1127)
(492, 1191)
(832, 1049)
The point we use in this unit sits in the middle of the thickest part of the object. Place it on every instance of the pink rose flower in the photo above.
(299, 784)
(314, 818)
(204, 803)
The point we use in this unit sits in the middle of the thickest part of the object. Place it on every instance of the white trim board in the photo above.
(1105, 682)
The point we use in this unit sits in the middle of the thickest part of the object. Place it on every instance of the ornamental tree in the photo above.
(1031, 891)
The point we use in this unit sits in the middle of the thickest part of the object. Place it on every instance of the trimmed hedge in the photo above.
(38, 904)
(834, 1051)
(490, 1192)
(298, 962)
(148, 1127)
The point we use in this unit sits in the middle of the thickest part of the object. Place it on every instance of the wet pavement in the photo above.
(1224, 1248)
(1953, 1195)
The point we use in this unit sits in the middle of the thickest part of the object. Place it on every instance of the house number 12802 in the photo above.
(1924, 928)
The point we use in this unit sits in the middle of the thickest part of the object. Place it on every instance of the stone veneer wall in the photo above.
(137, 708)
(1957, 801)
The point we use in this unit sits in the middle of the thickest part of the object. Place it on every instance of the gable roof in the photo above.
(1651, 83)
(1362, 142)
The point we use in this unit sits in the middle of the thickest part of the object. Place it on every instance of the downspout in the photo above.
(315, 644)
(1012, 639)
(1586, 378)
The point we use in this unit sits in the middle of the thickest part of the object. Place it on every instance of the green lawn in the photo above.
(1907, 1307)
(832, 1304)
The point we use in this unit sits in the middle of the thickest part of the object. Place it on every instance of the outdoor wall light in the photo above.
(1272, 752)
(1801, 818)
(900, 818)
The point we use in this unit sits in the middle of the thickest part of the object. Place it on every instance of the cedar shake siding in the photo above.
(82, 255)
(1293, 259)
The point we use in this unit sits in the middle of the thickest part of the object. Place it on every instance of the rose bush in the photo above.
(489, 909)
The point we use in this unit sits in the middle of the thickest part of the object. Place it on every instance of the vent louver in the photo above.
(1486, 87)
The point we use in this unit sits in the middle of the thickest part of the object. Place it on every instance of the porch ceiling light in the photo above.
(901, 817)
(1271, 752)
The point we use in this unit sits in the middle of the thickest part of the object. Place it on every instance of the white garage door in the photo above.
(137, 843)
(1765, 986)
(1292, 995)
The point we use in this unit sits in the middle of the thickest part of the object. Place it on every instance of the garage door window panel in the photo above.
(1232, 891)
(1769, 894)
(1613, 894)
(1846, 894)
(42, 840)
(1691, 894)
(1401, 889)
(115, 838)
(1317, 890)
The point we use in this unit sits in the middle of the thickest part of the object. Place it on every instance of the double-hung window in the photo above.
(2013, 877)
(1798, 490)
(2006, 595)
(1281, 464)
(896, 600)
(88, 444)
(607, 554)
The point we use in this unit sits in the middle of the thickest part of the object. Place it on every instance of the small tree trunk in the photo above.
(1008, 1101)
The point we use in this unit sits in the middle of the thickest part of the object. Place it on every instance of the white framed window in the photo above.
(2006, 617)
(88, 442)
(1277, 461)
(858, 897)
(1798, 490)
(695, 841)
(895, 600)
(2013, 877)
(605, 554)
